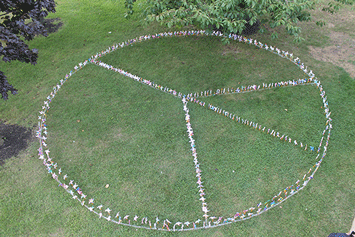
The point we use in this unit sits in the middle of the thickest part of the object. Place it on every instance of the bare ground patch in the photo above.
(341, 51)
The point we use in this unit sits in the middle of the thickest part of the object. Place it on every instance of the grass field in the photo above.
(105, 128)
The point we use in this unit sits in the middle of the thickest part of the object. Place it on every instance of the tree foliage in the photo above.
(232, 16)
(20, 21)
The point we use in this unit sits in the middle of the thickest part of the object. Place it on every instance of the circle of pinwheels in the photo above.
(206, 221)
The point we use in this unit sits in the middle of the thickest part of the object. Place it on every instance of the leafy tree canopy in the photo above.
(232, 16)
(20, 22)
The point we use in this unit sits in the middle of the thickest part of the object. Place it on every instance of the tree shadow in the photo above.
(13, 139)
(52, 25)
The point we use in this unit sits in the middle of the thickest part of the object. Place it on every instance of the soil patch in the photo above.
(13, 139)
(340, 53)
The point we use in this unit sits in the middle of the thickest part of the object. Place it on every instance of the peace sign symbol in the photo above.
(208, 100)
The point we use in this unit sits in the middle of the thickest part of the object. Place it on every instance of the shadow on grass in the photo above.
(13, 139)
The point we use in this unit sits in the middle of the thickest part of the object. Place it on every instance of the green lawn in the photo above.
(104, 128)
